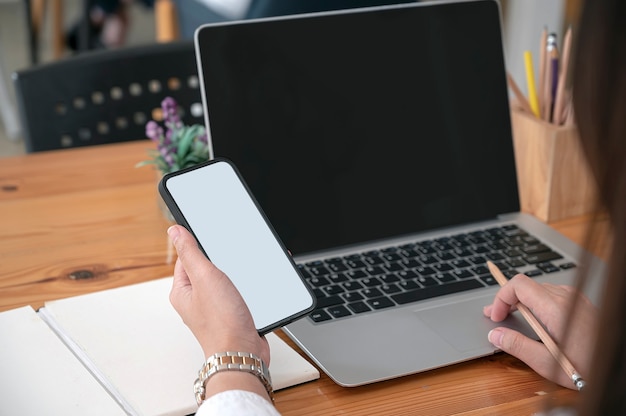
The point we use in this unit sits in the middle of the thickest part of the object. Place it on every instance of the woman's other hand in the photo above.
(550, 305)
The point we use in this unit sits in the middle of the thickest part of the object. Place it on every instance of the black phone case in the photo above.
(180, 219)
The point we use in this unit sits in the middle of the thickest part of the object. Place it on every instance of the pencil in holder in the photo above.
(554, 179)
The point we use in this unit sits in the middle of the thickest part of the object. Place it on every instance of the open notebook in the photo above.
(119, 351)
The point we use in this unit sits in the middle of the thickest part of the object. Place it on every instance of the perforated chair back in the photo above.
(105, 96)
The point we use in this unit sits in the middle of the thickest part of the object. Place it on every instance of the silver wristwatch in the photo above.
(232, 361)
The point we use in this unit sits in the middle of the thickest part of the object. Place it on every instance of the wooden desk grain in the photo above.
(75, 213)
(81, 220)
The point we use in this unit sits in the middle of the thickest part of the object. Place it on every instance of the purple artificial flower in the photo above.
(167, 135)
(154, 131)
(170, 112)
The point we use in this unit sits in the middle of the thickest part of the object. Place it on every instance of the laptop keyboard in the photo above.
(373, 280)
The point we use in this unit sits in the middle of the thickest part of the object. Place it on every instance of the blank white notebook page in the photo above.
(40, 376)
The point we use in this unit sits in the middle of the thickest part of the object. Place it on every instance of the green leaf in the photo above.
(186, 140)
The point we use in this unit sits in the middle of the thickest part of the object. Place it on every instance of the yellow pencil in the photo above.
(542, 66)
(530, 81)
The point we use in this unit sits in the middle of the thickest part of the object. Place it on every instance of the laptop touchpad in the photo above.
(463, 325)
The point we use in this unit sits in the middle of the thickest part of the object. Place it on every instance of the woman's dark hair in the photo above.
(599, 88)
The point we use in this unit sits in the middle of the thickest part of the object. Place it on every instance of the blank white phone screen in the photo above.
(236, 237)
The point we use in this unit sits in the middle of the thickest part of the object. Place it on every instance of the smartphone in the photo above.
(214, 203)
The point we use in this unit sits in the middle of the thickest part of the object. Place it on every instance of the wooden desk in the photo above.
(82, 220)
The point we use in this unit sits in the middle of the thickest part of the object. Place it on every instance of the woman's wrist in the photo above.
(235, 380)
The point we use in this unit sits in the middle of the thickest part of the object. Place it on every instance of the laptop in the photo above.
(378, 143)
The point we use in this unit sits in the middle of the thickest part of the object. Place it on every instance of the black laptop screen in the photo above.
(358, 126)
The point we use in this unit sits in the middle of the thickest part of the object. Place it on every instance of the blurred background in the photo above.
(34, 32)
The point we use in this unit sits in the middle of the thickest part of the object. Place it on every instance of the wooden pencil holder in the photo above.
(553, 175)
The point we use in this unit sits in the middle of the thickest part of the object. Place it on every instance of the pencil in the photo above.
(542, 66)
(530, 81)
(523, 102)
(559, 100)
(547, 340)
(552, 73)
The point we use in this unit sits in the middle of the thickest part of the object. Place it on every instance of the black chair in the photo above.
(106, 96)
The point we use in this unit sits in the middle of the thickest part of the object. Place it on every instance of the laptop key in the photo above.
(389, 289)
(407, 274)
(509, 273)
(319, 316)
(374, 271)
(393, 267)
(460, 263)
(352, 285)
(358, 307)
(442, 267)
(512, 252)
(478, 260)
(356, 264)
(391, 257)
(318, 281)
(435, 291)
(446, 256)
(462, 274)
(409, 252)
(338, 311)
(337, 278)
(427, 281)
(494, 256)
(424, 271)
(337, 267)
(380, 303)
(329, 301)
(352, 296)
(428, 259)
(535, 248)
(410, 263)
(462, 252)
(480, 270)
(370, 282)
(548, 267)
(409, 285)
(389, 278)
(355, 274)
(480, 249)
(542, 257)
(445, 277)
(319, 271)
(373, 260)
(371, 293)
(333, 289)
(425, 249)
(488, 279)
(516, 262)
